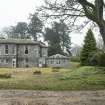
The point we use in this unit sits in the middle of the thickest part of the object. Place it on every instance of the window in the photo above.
(13, 63)
(26, 49)
(52, 61)
(13, 50)
(6, 49)
(64, 60)
(2, 60)
(7, 61)
(36, 52)
(0, 51)
(44, 52)
(58, 61)
(26, 60)
(40, 52)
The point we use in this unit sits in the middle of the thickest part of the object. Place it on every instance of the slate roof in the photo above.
(21, 41)
(58, 56)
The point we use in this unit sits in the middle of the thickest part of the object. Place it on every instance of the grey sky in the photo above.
(13, 11)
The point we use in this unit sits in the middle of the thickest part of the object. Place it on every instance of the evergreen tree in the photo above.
(21, 30)
(35, 26)
(89, 48)
(58, 39)
(54, 48)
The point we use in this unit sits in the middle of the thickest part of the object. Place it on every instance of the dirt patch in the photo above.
(22, 97)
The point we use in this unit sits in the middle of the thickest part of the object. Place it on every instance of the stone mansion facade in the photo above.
(22, 53)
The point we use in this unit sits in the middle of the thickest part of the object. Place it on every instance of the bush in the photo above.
(92, 59)
(101, 59)
(37, 72)
(75, 59)
(97, 58)
(55, 70)
(5, 75)
(56, 67)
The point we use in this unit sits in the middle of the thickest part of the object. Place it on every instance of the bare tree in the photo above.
(73, 10)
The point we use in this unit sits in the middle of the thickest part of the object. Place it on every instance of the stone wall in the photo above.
(31, 59)
(6, 59)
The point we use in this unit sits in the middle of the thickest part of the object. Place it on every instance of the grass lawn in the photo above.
(80, 78)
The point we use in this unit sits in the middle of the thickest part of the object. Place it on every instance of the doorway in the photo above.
(14, 63)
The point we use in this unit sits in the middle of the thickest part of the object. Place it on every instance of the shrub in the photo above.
(55, 70)
(7, 75)
(74, 65)
(56, 67)
(75, 59)
(92, 59)
(37, 72)
(97, 58)
(101, 59)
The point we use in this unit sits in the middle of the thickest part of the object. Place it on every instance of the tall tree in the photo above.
(54, 48)
(21, 29)
(53, 42)
(63, 32)
(58, 38)
(18, 31)
(88, 48)
(35, 26)
(73, 10)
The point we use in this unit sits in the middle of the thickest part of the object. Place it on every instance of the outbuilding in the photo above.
(57, 60)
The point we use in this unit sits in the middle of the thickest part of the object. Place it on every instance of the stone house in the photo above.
(57, 60)
(22, 53)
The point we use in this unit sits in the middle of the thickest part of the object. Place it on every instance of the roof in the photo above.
(58, 56)
(21, 41)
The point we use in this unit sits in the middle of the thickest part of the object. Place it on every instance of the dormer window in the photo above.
(26, 49)
(6, 49)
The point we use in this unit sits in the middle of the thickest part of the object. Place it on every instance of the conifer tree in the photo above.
(89, 48)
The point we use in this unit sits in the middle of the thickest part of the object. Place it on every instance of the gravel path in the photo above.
(22, 97)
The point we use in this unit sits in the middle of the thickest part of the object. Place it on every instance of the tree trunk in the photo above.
(99, 4)
(102, 31)
(96, 15)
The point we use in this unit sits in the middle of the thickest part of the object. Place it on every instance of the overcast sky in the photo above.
(13, 11)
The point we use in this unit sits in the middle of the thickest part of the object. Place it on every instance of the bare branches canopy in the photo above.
(71, 10)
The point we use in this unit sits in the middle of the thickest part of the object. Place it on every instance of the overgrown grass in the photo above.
(79, 78)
